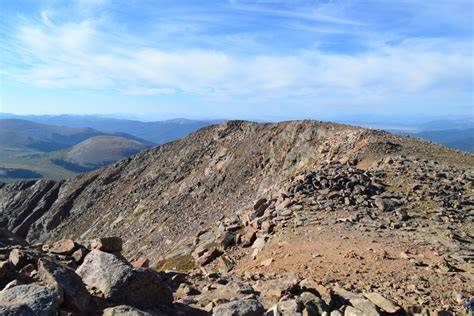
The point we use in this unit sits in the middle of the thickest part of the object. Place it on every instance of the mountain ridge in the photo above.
(191, 176)
(352, 217)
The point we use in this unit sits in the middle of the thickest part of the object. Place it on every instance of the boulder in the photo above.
(360, 305)
(107, 244)
(20, 258)
(224, 264)
(259, 203)
(124, 310)
(62, 247)
(385, 204)
(121, 283)
(31, 299)
(69, 284)
(240, 308)
(259, 243)
(382, 302)
(290, 307)
(314, 303)
(227, 239)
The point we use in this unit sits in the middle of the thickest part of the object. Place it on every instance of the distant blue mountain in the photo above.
(158, 132)
(462, 139)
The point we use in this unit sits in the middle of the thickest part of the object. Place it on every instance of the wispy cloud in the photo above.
(85, 48)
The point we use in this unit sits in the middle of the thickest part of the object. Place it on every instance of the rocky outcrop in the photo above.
(295, 218)
(323, 196)
(213, 172)
(46, 279)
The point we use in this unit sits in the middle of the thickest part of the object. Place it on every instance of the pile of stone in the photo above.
(270, 294)
(77, 277)
(336, 184)
(446, 187)
(91, 277)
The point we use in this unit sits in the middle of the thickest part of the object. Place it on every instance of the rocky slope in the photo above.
(332, 206)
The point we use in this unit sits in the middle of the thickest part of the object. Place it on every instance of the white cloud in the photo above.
(82, 55)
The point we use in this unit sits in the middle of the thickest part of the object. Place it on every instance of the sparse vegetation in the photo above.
(180, 263)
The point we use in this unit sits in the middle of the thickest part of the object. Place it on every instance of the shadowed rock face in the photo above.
(159, 196)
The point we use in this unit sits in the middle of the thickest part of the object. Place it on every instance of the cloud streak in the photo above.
(92, 51)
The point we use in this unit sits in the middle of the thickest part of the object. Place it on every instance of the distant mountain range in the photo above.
(457, 133)
(462, 139)
(158, 132)
(56, 147)
(34, 150)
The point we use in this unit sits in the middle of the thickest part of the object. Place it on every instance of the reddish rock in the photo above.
(141, 263)
(62, 247)
(209, 256)
(249, 237)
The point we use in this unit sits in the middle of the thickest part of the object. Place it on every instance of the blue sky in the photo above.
(237, 58)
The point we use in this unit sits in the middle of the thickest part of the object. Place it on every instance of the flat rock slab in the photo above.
(31, 299)
(239, 307)
(383, 303)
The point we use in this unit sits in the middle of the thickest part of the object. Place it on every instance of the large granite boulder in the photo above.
(119, 282)
(69, 284)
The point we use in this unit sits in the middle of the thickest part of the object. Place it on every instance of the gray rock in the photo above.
(361, 306)
(31, 299)
(259, 243)
(124, 310)
(385, 205)
(382, 302)
(227, 239)
(68, 283)
(12, 284)
(239, 308)
(121, 283)
(314, 302)
(290, 308)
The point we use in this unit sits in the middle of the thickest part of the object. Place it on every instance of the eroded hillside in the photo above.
(159, 196)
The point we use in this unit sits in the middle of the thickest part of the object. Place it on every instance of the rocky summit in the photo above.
(293, 218)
